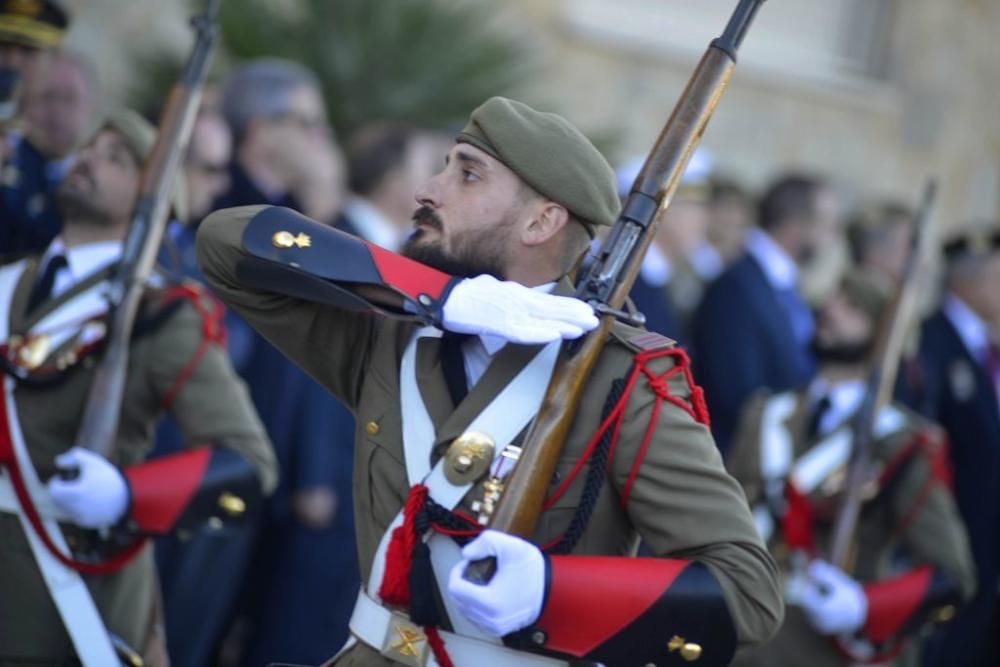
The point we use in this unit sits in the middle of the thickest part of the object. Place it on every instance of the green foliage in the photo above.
(428, 62)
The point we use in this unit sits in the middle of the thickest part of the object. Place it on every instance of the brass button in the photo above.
(944, 614)
(675, 643)
(690, 652)
(232, 504)
(372, 428)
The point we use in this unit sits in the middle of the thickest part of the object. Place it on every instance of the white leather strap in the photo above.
(503, 419)
(371, 624)
(69, 593)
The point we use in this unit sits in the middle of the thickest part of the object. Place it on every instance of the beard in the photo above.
(471, 257)
(841, 353)
(76, 202)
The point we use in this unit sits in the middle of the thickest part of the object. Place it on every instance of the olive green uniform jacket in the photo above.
(683, 503)
(912, 513)
(212, 408)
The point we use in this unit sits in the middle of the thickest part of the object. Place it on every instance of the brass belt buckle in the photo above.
(405, 642)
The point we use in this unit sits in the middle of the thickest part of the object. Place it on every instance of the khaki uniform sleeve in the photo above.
(743, 461)
(331, 345)
(934, 533)
(210, 403)
(685, 505)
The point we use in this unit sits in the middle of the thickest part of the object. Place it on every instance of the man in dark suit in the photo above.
(753, 328)
(961, 361)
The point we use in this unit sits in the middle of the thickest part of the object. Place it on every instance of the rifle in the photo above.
(890, 337)
(607, 282)
(99, 425)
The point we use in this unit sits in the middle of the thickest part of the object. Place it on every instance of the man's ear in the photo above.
(548, 219)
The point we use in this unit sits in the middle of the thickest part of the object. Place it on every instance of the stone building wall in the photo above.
(877, 93)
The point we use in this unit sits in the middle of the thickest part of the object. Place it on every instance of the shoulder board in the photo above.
(640, 340)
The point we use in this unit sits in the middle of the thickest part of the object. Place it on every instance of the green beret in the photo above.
(550, 155)
(139, 136)
(37, 24)
(866, 291)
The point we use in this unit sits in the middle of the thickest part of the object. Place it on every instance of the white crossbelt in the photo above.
(373, 623)
(506, 415)
(69, 593)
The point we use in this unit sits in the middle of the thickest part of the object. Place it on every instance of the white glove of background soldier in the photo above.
(513, 599)
(834, 602)
(98, 497)
(518, 314)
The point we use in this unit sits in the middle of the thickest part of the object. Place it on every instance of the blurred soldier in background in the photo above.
(912, 563)
(731, 215)
(56, 310)
(879, 239)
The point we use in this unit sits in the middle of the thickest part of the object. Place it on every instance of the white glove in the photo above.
(834, 602)
(513, 598)
(518, 314)
(99, 495)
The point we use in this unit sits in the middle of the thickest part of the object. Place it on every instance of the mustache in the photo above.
(425, 215)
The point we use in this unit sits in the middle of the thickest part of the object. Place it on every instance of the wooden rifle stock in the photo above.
(890, 337)
(608, 281)
(99, 425)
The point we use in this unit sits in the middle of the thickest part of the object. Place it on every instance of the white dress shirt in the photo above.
(778, 266)
(82, 261)
(974, 332)
(478, 351)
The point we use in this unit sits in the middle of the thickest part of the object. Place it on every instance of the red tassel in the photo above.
(797, 524)
(437, 646)
(395, 589)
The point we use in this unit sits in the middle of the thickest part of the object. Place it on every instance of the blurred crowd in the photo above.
(746, 281)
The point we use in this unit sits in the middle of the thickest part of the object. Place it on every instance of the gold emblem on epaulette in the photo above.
(468, 458)
(405, 642)
(285, 239)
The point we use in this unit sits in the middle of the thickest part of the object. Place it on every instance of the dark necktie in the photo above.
(816, 418)
(43, 287)
(453, 365)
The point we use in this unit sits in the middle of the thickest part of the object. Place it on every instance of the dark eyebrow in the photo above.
(469, 157)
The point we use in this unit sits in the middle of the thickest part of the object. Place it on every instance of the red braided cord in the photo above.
(395, 588)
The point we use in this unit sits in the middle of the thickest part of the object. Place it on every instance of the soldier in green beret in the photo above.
(444, 362)
(77, 567)
(912, 565)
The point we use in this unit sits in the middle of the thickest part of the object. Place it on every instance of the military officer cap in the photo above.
(550, 155)
(139, 136)
(37, 24)
(976, 241)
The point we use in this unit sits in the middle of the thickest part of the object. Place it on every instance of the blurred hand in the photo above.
(834, 602)
(315, 507)
(312, 165)
(97, 497)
